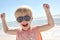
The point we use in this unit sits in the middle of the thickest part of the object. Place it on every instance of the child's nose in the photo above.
(24, 22)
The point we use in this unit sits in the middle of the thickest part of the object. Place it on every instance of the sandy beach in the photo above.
(52, 34)
(4, 36)
(7, 38)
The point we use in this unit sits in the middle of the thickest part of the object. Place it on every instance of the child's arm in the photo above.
(49, 18)
(5, 27)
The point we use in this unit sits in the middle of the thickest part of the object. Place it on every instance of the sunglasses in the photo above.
(23, 18)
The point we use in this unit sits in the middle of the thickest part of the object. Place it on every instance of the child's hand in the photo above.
(46, 6)
(3, 16)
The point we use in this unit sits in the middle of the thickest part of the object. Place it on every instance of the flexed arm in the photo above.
(50, 23)
(5, 27)
(4, 22)
(48, 14)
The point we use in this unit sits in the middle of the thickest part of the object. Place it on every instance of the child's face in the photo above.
(25, 21)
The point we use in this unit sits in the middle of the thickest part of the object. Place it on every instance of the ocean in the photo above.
(34, 22)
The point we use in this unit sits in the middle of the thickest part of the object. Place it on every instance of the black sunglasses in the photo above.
(23, 18)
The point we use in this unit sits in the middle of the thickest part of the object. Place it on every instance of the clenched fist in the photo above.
(3, 16)
(46, 6)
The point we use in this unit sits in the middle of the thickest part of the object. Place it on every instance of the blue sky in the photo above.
(9, 6)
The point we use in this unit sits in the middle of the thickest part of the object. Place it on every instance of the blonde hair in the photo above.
(23, 10)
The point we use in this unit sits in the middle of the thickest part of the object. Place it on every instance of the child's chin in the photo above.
(25, 28)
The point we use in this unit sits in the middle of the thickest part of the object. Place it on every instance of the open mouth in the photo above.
(25, 25)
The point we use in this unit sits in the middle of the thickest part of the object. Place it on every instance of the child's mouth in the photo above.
(24, 25)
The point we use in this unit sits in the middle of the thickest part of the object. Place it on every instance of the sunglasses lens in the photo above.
(20, 19)
(27, 18)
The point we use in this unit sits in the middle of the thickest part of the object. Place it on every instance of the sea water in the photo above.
(34, 22)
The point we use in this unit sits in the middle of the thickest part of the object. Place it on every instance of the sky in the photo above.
(9, 7)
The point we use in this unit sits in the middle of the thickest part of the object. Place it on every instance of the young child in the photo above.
(24, 18)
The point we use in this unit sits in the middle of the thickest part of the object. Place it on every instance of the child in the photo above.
(24, 18)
